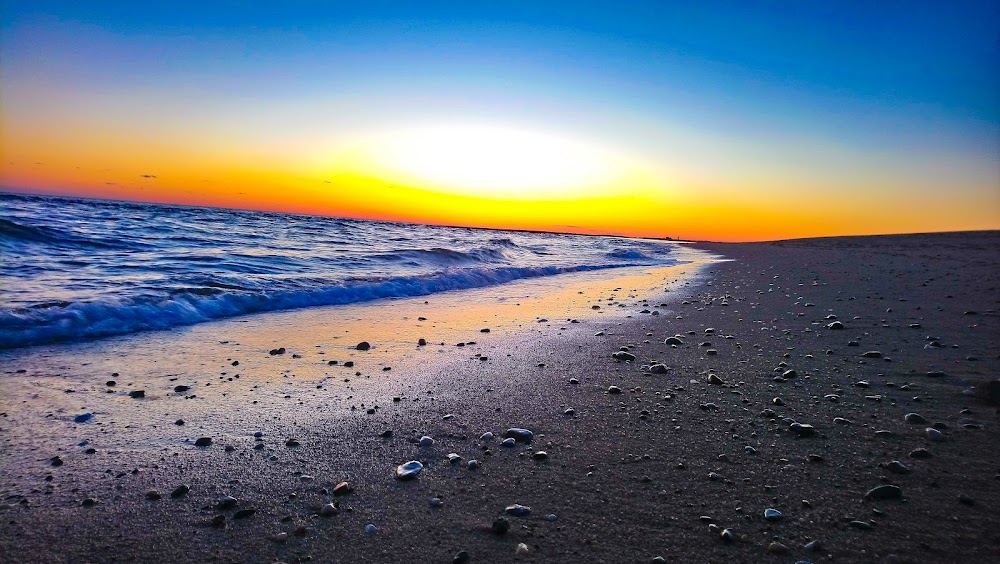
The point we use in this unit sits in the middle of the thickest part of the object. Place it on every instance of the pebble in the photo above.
(83, 417)
(623, 356)
(203, 442)
(673, 341)
(180, 490)
(920, 453)
(227, 502)
(773, 515)
(789, 374)
(713, 379)
(486, 437)
(777, 548)
(244, 513)
(966, 500)
(813, 546)
(370, 529)
(436, 502)
(363, 346)
(886, 491)
(540, 455)
(522, 550)
(473, 464)
(802, 429)
(461, 558)
(280, 537)
(421, 342)
(934, 435)
(835, 325)
(519, 435)
(343, 488)
(508, 442)
(153, 495)
(914, 418)
(291, 443)
(409, 471)
(500, 526)
(327, 510)
(89, 502)
(872, 354)
(658, 369)
(426, 441)
(137, 394)
(728, 535)
(897, 467)
(454, 457)
(614, 390)
(517, 510)
(863, 525)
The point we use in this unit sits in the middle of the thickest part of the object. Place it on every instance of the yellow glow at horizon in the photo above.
(489, 161)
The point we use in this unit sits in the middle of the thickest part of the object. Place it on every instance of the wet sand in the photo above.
(660, 469)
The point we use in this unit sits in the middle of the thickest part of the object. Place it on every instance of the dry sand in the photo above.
(628, 477)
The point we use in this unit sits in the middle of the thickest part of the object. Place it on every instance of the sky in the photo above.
(710, 120)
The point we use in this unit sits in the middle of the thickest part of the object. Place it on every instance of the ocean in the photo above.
(75, 269)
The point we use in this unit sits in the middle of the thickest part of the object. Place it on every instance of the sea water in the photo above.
(73, 269)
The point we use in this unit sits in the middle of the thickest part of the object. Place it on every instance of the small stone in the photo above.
(789, 374)
(897, 467)
(713, 379)
(136, 394)
(658, 369)
(370, 529)
(291, 443)
(327, 510)
(343, 488)
(673, 341)
(777, 548)
(872, 354)
(181, 490)
(540, 455)
(500, 526)
(461, 558)
(454, 458)
(836, 325)
(883, 492)
(813, 546)
(519, 435)
(426, 441)
(280, 537)
(508, 442)
(181, 388)
(486, 437)
(773, 515)
(219, 521)
(623, 356)
(244, 513)
(89, 502)
(933, 434)
(728, 535)
(915, 418)
(153, 495)
(409, 471)
(802, 429)
(203, 442)
(920, 453)
(421, 342)
(227, 502)
(436, 502)
(862, 525)
(83, 417)
(473, 464)
(614, 390)
(363, 346)
(966, 500)
(517, 510)
(522, 550)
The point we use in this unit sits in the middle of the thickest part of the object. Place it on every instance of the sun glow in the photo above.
(492, 161)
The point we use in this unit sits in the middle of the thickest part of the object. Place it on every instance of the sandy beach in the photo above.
(790, 384)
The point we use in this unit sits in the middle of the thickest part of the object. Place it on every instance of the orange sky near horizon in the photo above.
(696, 125)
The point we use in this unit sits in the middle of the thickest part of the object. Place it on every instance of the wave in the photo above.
(12, 233)
(446, 257)
(60, 322)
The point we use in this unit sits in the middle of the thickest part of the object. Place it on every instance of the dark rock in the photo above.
(802, 429)
(203, 442)
(872, 354)
(623, 356)
(343, 488)
(886, 491)
(921, 453)
(519, 435)
(517, 510)
(181, 388)
(500, 526)
(137, 394)
(83, 417)
(180, 491)
(363, 346)
(244, 513)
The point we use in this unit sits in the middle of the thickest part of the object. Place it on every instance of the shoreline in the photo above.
(623, 485)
